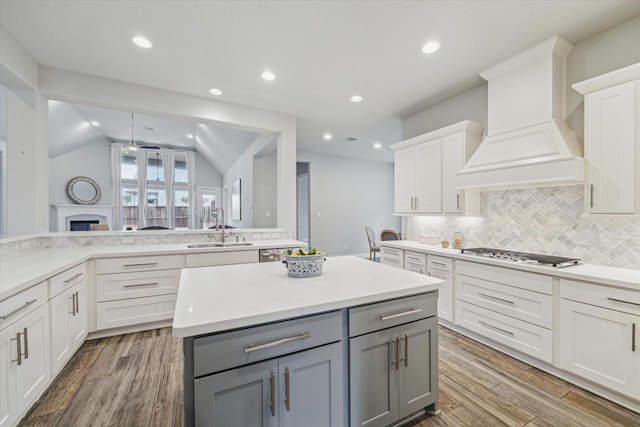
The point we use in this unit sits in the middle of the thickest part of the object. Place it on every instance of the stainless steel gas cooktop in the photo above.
(522, 257)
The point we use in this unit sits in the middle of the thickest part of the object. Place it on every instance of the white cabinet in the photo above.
(392, 256)
(425, 170)
(417, 178)
(600, 335)
(415, 261)
(221, 258)
(24, 352)
(442, 268)
(612, 141)
(68, 314)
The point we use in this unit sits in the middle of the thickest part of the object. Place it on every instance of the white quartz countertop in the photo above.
(213, 299)
(21, 272)
(613, 276)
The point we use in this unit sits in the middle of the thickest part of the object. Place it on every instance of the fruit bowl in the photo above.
(304, 264)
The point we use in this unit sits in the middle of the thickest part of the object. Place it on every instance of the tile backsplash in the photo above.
(546, 220)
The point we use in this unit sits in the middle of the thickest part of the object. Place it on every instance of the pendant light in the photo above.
(132, 144)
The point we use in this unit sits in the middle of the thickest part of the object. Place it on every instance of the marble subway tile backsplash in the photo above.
(546, 220)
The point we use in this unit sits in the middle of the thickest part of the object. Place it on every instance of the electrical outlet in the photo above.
(346, 247)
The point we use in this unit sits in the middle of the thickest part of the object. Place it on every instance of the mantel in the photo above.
(62, 214)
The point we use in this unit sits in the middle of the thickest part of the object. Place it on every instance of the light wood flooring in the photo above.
(136, 380)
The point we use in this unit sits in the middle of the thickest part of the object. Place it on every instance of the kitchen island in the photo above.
(264, 349)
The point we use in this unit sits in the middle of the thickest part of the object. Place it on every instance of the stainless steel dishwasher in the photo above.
(273, 255)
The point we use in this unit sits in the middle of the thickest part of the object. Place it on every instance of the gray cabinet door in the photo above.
(238, 398)
(374, 383)
(418, 369)
(311, 388)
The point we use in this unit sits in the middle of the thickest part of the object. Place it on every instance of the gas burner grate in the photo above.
(522, 257)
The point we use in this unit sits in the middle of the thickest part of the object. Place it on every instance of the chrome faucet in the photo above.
(219, 213)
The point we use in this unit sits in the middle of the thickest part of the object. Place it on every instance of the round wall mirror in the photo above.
(83, 190)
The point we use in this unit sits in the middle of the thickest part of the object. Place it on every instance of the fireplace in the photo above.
(81, 216)
(82, 225)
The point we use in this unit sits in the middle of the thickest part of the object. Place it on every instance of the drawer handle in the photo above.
(26, 304)
(302, 336)
(412, 310)
(287, 389)
(439, 263)
(496, 328)
(414, 259)
(144, 264)
(623, 301)
(273, 394)
(73, 278)
(141, 284)
(496, 298)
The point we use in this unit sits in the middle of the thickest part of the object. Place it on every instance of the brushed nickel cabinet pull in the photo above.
(77, 303)
(458, 201)
(73, 304)
(144, 264)
(396, 361)
(591, 195)
(633, 337)
(302, 336)
(412, 204)
(73, 278)
(417, 203)
(18, 349)
(406, 350)
(25, 334)
(411, 310)
(26, 304)
(439, 263)
(273, 394)
(496, 298)
(623, 301)
(287, 390)
(496, 328)
(142, 284)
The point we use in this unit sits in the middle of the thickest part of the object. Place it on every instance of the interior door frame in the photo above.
(202, 191)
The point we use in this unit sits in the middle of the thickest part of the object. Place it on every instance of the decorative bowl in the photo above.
(304, 265)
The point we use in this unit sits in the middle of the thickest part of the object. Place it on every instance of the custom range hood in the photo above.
(528, 144)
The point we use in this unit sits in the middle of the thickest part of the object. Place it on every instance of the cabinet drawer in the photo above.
(214, 353)
(532, 340)
(134, 285)
(134, 311)
(524, 305)
(66, 279)
(142, 263)
(415, 258)
(626, 301)
(221, 258)
(382, 315)
(17, 306)
(440, 263)
(391, 256)
(521, 279)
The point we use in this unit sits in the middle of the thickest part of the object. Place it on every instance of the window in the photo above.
(147, 203)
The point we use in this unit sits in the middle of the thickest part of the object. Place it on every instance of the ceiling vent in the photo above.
(528, 144)
(350, 139)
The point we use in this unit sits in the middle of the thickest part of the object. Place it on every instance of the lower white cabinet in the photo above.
(300, 389)
(24, 363)
(392, 256)
(442, 268)
(221, 258)
(68, 312)
(600, 335)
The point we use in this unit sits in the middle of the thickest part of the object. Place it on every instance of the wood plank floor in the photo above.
(136, 380)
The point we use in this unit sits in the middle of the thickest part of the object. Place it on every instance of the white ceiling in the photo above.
(322, 52)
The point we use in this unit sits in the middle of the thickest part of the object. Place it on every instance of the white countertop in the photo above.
(213, 299)
(21, 272)
(613, 276)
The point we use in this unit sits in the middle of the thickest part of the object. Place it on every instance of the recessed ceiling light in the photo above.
(327, 136)
(268, 75)
(94, 123)
(215, 91)
(141, 42)
(377, 146)
(190, 136)
(430, 47)
(356, 98)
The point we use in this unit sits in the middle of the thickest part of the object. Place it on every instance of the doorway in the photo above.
(208, 202)
(303, 208)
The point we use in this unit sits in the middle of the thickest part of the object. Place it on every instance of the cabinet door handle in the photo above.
(633, 337)
(458, 201)
(25, 334)
(623, 301)
(18, 349)
(17, 310)
(141, 284)
(417, 204)
(73, 304)
(73, 278)
(287, 389)
(412, 208)
(591, 196)
(496, 328)
(302, 336)
(144, 264)
(396, 361)
(406, 350)
(77, 302)
(411, 310)
(496, 298)
(273, 394)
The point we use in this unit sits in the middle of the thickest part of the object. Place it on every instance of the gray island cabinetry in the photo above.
(263, 349)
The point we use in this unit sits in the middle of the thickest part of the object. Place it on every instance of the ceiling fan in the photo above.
(132, 143)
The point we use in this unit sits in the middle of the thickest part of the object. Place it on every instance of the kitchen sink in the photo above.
(218, 245)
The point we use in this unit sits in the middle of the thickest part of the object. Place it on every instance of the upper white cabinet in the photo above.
(612, 141)
(425, 169)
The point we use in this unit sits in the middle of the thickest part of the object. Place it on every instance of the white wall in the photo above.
(265, 179)
(346, 195)
(206, 174)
